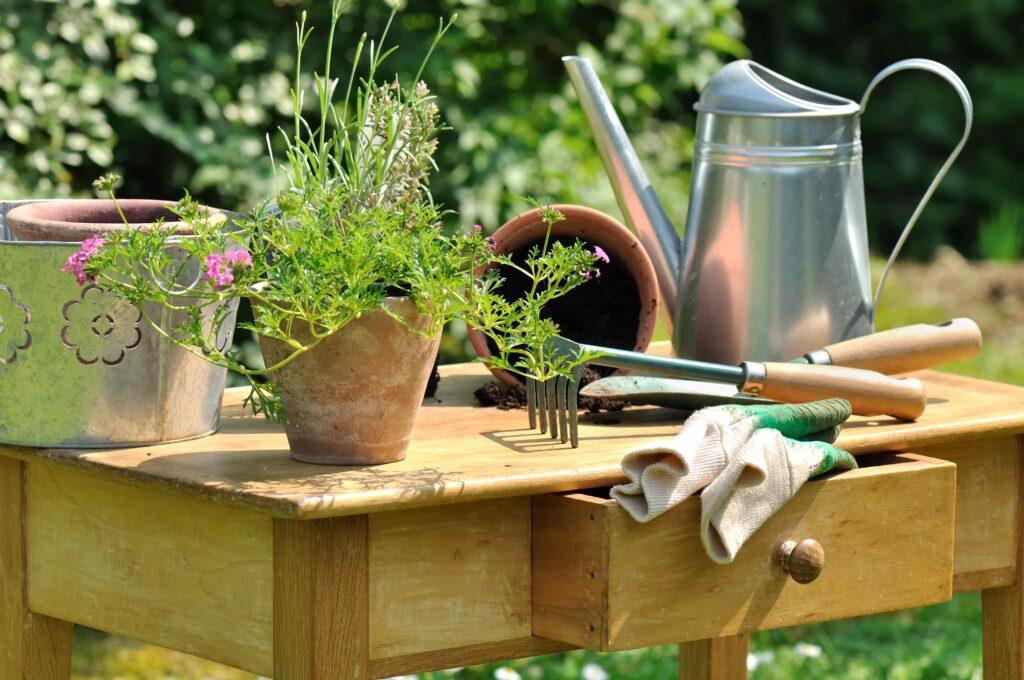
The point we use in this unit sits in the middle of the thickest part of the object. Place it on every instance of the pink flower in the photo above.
(477, 228)
(586, 274)
(222, 267)
(93, 244)
(240, 258)
(601, 255)
(492, 244)
(77, 261)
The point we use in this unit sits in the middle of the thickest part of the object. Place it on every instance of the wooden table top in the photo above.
(463, 452)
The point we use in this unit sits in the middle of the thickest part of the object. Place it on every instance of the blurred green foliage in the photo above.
(914, 119)
(176, 93)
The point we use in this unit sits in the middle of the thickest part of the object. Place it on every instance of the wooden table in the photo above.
(470, 551)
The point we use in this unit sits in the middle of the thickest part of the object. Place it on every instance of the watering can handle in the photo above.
(965, 97)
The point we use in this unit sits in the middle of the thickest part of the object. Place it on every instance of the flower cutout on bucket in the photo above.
(14, 320)
(100, 327)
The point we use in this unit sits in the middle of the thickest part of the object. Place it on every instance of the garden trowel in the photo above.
(900, 350)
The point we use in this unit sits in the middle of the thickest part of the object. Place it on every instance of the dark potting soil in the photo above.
(434, 380)
(603, 311)
(507, 398)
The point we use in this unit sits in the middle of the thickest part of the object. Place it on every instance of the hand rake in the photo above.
(552, 404)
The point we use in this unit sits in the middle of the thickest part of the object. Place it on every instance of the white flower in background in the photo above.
(807, 650)
(755, 659)
(506, 673)
(594, 672)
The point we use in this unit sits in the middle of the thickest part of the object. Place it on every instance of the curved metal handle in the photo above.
(965, 97)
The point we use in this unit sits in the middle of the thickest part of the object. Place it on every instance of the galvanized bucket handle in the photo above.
(174, 287)
(965, 98)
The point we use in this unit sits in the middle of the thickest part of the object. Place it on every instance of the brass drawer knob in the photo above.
(803, 561)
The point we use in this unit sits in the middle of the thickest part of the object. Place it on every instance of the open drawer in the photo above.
(603, 581)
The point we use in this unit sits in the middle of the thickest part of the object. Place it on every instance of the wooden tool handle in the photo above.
(868, 392)
(910, 348)
(803, 561)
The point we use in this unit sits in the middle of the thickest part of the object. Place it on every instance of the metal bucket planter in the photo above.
(81, 369)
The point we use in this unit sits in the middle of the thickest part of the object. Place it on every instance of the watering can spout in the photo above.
(643, 211)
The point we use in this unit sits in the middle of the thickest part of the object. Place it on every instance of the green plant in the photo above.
(352, 224)
(518, 327)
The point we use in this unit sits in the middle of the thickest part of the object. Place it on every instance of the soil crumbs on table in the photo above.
(509, 397)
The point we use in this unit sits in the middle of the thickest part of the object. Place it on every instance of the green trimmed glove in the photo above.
(749, 460)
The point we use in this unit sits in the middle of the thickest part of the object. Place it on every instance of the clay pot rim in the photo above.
(39, 220)
(625, 246)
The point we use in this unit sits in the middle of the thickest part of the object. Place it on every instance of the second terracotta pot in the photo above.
(353, 399)
(75, 220)
(620, 309)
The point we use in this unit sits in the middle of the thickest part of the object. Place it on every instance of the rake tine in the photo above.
(531, 401)
(542, 406)
(562, 388)
(551, 387)
(572, 402)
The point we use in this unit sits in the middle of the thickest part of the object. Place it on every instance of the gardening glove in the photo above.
(751, 459)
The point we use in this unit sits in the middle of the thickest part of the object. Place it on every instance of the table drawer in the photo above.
(603, 581)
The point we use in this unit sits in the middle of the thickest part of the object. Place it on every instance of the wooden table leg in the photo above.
(32, 647)
(723, 658)
(1002, 613)
(321, 599)
(1002, 610)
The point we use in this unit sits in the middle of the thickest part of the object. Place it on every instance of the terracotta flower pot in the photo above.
(622, 304)
(354, 398)
(77, 219)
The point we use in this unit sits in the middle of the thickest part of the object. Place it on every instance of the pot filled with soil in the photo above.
(78, 219)
(353, 399)
(617, 309)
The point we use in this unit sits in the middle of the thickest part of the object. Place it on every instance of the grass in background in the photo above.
(941, 641)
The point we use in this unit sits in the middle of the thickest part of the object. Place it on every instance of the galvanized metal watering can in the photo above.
(775, 257)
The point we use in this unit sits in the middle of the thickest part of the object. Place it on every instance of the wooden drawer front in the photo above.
(603, 581)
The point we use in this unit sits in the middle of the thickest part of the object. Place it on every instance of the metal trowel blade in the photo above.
(685, 395)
